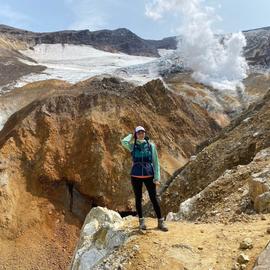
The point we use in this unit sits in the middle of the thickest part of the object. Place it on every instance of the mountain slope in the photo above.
(257, 50)
(39, 45)
(236, 145)
(12, 64)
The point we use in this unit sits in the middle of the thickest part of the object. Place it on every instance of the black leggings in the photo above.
(151, 188)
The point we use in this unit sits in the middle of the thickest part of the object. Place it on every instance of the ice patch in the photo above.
(74, 63)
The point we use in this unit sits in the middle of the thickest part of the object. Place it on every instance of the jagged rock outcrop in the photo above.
(222, 105)
(236, 145)
(66, 148)
(230, 195)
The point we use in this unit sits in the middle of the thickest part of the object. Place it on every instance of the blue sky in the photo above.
(55, 15)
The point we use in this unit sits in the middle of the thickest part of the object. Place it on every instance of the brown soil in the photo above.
(194, 246)
(46, 244)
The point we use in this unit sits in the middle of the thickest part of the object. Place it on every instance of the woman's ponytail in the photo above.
(135, 137)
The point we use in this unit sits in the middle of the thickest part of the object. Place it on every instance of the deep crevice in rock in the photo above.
(70, 190)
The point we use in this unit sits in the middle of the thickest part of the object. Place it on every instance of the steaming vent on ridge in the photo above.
(214, 63)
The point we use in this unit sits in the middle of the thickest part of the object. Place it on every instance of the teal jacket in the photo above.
(129, 146)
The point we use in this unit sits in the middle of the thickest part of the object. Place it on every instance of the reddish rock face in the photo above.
(67, 149)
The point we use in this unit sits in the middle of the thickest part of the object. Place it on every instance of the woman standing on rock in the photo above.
(145, 169)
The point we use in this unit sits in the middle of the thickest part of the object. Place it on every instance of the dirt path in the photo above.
(195, 246)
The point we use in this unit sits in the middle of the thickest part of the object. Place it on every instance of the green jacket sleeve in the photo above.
(155, 163)
(126, 142)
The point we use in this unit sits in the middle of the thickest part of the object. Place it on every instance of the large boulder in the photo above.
(263, 261)
(102, 231)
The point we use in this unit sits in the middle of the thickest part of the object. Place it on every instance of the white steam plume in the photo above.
(220, 65)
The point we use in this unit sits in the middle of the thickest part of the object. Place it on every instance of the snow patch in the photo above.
(74, 63)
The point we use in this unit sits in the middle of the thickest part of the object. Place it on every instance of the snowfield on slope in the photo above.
(74, 63)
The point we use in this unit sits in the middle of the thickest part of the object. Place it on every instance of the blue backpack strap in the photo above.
(149, 147)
